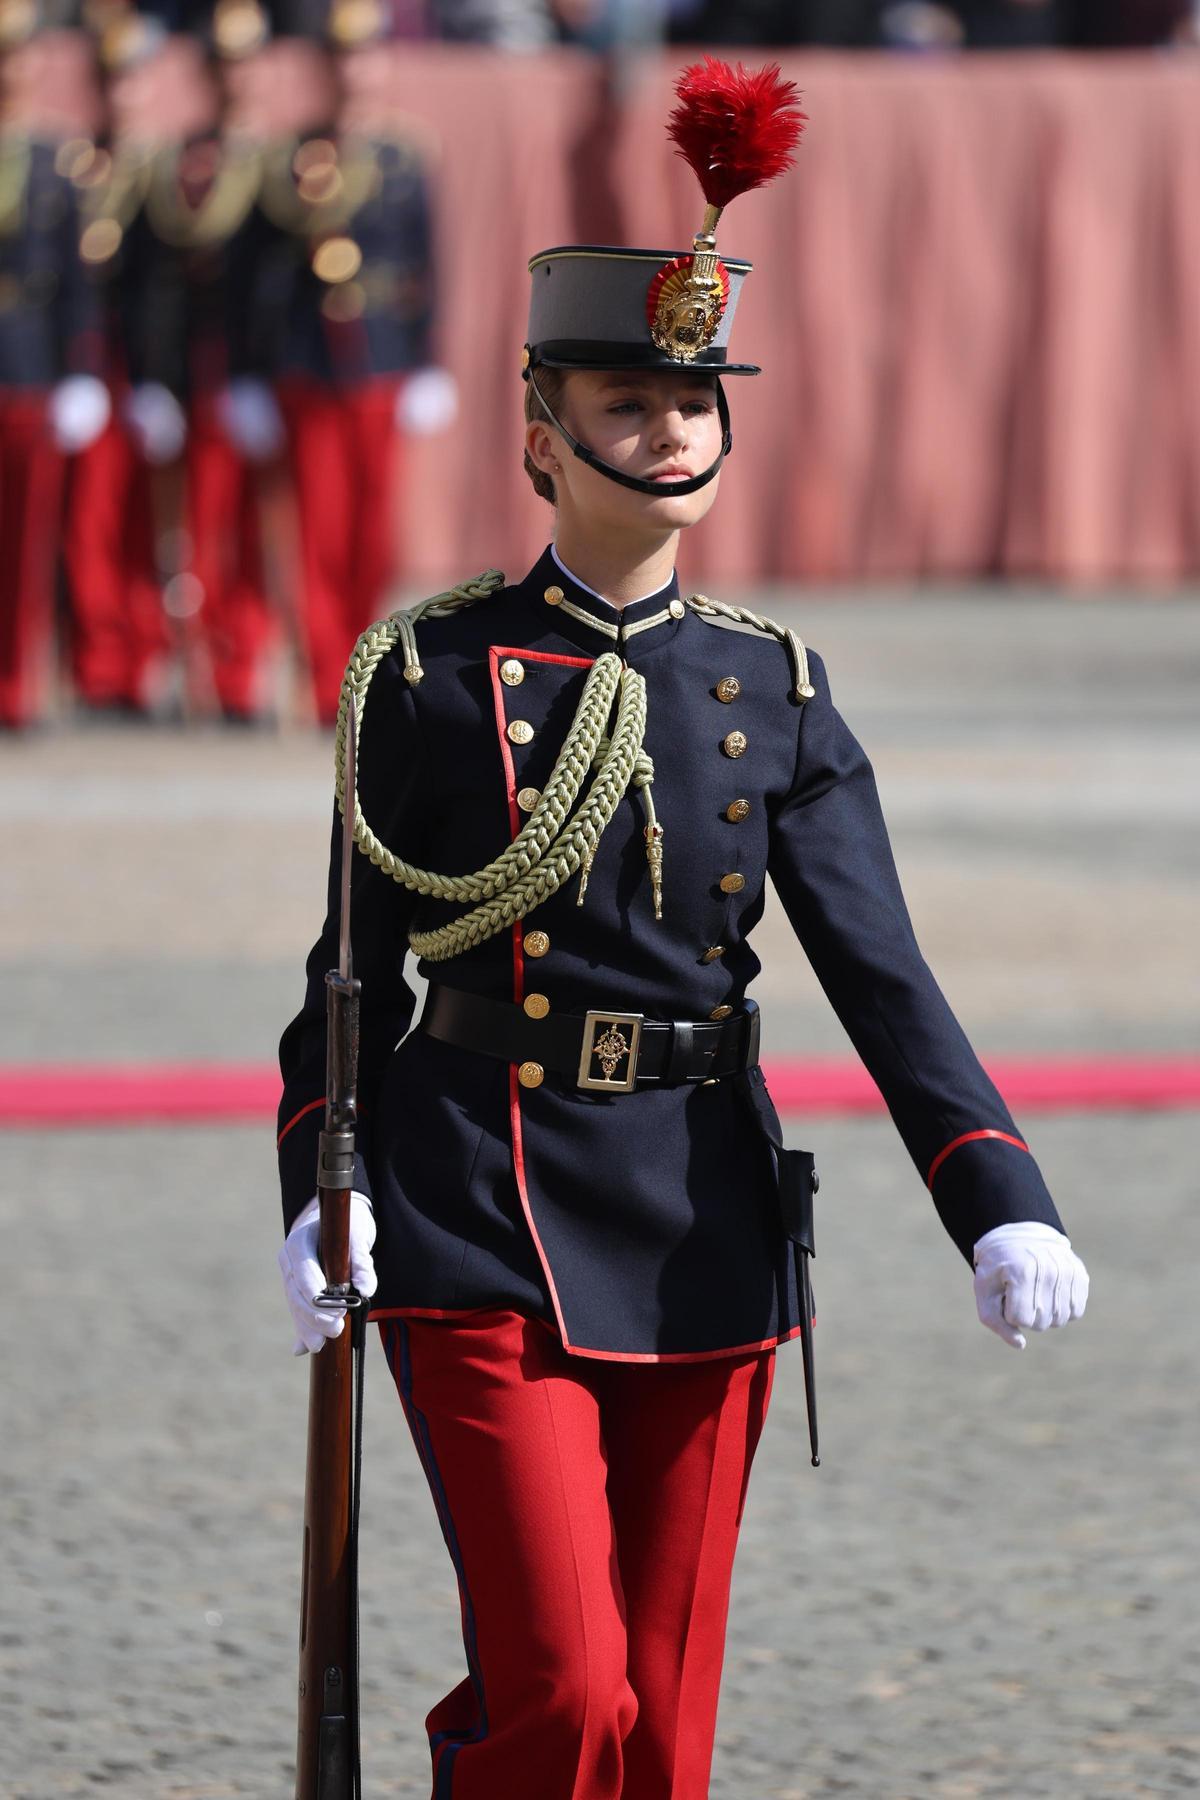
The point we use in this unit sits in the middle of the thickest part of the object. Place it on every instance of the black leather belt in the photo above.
(609, 1052)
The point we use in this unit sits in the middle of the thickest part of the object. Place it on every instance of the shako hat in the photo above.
(599, 306)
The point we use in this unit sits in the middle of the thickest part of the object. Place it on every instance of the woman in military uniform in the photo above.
(588, 1238)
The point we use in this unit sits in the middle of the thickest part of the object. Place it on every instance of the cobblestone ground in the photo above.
(989, 1589)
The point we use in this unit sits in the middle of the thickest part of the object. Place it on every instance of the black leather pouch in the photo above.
(798, 1182)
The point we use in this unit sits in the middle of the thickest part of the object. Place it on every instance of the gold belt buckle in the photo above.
(610, 1048)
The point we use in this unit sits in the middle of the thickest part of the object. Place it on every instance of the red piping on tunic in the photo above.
(680, 1356)
(970, 1137)
(514, 819)
(296, 1118)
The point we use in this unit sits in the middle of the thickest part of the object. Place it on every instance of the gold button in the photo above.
(527, 798)
(732, 884)
(536, 1005)
(520, 731)
(728, 688)
(734, 744)
(721, 1012)
(536, 943)
(713, 952)
(526, 359)
(553, 596)
(737, 810)
(677, 609)
(512, 672)
(531, 1074)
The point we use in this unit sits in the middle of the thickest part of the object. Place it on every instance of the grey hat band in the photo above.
(593, 306)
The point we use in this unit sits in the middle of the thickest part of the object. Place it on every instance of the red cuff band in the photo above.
(296, 1117)
(969, 1137)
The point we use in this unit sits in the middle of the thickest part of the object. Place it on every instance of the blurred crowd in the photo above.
(215, 269)
(863, 24)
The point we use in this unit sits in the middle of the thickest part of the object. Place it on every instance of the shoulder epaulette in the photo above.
(714, 611)
(440, 606)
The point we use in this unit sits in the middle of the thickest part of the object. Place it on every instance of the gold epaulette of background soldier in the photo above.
(15, 157)
(177, 218)
(312, 187)
(111, 185)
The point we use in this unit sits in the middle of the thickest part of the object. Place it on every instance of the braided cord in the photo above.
(741, 615)
(554, 842)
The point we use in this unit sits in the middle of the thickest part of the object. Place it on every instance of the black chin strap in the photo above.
(636, 482)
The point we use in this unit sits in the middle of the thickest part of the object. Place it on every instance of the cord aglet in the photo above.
(654, 857)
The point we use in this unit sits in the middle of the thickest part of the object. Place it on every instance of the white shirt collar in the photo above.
(571, 576)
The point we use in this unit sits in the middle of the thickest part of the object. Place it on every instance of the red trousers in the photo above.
(591, 1510)
(120, 630)
(30, 496)
(119, 634)
(344, 449)
(234, 620)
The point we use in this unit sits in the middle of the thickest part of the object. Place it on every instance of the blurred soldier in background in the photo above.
(52, 400)
(195, 411)
(119, 641)
(347, 299)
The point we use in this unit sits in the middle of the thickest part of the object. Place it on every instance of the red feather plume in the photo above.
(736, 128)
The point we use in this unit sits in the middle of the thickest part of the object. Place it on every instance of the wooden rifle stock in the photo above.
(327, 1749)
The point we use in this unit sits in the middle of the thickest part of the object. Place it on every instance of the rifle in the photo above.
(327, 1755)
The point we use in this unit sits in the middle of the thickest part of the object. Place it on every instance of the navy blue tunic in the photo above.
(49, 314)
(645, 1226)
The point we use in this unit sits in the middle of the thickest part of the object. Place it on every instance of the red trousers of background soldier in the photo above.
(31, 471)
(115, 568)
(119, 638)
(236, 626)
(344, 449)
(591, 1510)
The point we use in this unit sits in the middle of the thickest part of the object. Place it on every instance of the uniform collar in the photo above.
(595, 623)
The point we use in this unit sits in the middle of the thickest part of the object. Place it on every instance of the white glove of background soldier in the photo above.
(80, 407)
(427, 402)
(304, 1278)
(1027, 1278)
(251, 419)
(157, 422)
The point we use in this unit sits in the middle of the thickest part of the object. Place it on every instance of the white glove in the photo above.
(79, 409)
(250, 418)
(304, 1278)
(157, 422)
(427, 402)
(1027, 1275)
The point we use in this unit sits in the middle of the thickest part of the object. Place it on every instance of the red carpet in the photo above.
(68, 1094)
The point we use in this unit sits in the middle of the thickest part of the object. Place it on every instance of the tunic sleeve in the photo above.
(393, 786)
(832, 865)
